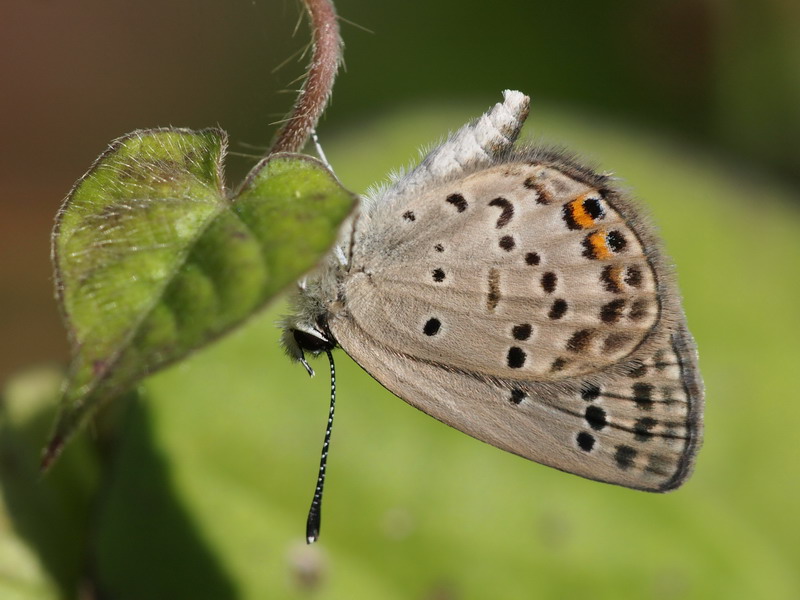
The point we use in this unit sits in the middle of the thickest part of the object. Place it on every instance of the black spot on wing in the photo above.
(590, 393)
(432, 327)
(596, 417)
(493, 297)
(633, 276)
(521, 332)
(643, 428)
(507, 211)
(593, 208)
(580, 340)
(612, 312)
(625, 456)
(558, 309)
(458, 201)
(517, 396)
(643, 395)
(585, 441)
(549, 281)
(542, 195)
(516, 357)
(532, 259)
(507, 243)
(616, 241)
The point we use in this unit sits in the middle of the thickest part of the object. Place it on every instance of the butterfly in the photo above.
(520, 297)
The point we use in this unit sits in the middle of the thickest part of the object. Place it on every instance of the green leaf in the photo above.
(153, 260)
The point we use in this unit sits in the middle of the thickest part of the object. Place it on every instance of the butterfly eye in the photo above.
(312, 342)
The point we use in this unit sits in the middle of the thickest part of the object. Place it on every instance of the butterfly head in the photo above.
(300, 337)
(306, 330)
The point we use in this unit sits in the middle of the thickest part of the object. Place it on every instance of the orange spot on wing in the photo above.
(600, 248)
(579, 214)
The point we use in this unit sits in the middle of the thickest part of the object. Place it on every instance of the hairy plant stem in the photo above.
(316, 90)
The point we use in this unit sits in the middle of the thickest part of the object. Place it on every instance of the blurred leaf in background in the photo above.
(692, 103)
(207, 491)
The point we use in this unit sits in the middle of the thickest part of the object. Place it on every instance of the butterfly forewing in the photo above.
(516, 271)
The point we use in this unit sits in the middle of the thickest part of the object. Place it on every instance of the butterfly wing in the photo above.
(517, 270)
(527, 304)
(640, 430)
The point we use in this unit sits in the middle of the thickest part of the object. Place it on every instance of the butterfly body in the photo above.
(520, 298)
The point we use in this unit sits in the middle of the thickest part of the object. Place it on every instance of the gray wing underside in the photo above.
(591, 371)
(492, 260)
(641, 429)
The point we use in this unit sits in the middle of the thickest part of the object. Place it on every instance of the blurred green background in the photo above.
(200, 485)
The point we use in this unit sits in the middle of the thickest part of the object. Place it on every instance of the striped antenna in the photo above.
(315, 512)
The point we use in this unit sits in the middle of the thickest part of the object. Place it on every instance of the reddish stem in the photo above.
(313, 97)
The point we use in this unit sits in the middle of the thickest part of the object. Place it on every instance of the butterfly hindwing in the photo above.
(639, 430)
